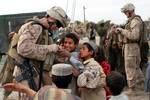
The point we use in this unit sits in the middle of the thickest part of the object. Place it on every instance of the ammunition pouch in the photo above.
(12, 52)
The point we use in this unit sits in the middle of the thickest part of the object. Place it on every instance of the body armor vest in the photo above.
(127, 26)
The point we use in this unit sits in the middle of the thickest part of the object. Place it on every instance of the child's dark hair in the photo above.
(100, 55)
(61, 81)
(90, 48)
(116, 82)
(73, 36)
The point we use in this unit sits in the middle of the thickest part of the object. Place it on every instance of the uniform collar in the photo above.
(87, 61)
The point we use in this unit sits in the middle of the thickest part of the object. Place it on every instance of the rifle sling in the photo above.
(40, 75)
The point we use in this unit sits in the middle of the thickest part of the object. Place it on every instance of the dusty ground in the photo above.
(140, 97)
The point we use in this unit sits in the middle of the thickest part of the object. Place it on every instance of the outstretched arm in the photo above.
(20, 88)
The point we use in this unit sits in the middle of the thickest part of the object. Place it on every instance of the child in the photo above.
(101, 59)
(61, 77)
(92, 81)
(116, 82)
(70, 54)
(69, 51)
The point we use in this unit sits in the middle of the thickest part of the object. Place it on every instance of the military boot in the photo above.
(140, 86)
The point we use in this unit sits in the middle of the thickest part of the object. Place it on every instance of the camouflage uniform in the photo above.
(33, 43)
(93, 79)
(132, 57)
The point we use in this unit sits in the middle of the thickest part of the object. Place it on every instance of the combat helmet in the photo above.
(128, 7)
(59, 14)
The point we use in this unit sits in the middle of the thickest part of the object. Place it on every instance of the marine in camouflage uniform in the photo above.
(132, 34)
(32, 45)
(35, 43)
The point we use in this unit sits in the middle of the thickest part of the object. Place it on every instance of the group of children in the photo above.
(89, 76)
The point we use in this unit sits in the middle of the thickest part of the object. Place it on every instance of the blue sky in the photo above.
(96, 10)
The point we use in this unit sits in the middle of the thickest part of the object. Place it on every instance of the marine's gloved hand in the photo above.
(11, 34)
(53, 48)
(64, 53)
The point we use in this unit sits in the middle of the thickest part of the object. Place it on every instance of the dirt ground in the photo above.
(141, 96)
(144, 96)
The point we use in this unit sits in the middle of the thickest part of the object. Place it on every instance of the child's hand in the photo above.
(14, 87)
(64, 53)
(75, 72)
(9, 86)
(19, 88)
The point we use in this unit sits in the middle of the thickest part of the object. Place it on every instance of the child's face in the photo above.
(84, 52)
(69, 44)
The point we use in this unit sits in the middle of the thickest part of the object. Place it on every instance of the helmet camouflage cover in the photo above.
(128, 7)
(59, 14)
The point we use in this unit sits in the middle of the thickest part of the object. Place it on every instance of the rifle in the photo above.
(28, 73)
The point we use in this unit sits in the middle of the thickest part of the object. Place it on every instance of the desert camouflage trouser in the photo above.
(133, 71)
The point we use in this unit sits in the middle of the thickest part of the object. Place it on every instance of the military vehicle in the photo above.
(9, 23)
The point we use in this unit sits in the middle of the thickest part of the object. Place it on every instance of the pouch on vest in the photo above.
(12, 52)
(9, 65)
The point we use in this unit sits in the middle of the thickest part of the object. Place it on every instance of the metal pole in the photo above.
(67, 6)
(84, 12)
(9, 26)
(73, 10)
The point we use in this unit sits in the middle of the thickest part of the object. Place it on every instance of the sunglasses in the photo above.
(58, 23)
